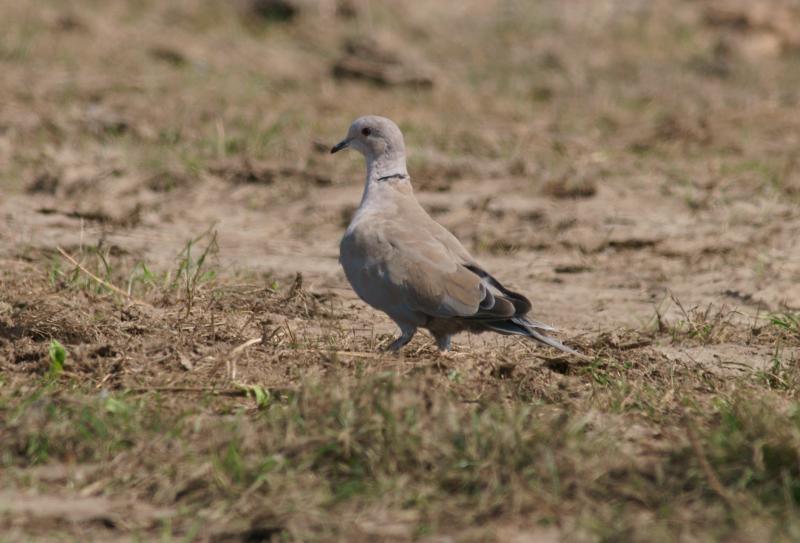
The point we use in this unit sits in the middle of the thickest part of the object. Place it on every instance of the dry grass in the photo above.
(171, 217)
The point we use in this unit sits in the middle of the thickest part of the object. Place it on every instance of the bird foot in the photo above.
(400, 342)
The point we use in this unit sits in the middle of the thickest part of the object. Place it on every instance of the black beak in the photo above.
(339, 146)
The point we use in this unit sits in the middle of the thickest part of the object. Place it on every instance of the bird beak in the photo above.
(339, 146)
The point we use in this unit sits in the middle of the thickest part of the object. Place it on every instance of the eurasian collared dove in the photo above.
(402, 262)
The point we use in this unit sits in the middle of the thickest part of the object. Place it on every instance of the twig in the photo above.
(356, 354)
(635, 344)
(245, 345)
(103, 282)
(230, 363)
(230, 392)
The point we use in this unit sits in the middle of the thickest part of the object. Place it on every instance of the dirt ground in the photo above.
(170, 215)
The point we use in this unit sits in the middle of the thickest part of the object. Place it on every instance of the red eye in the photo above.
(366, 131)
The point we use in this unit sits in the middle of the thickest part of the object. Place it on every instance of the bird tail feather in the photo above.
(524, 327)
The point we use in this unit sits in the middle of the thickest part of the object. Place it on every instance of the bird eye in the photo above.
(366, 131)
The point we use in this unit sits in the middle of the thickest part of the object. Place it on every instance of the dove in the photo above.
(405, 264)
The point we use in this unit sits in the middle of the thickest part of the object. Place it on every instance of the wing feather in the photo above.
(440, 283)
(423, 270)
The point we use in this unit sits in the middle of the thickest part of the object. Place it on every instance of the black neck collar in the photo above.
(393, 176)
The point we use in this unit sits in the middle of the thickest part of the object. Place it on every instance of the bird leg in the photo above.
(406, 333)
(443, 342)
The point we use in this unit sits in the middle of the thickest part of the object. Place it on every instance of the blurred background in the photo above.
(553, 137)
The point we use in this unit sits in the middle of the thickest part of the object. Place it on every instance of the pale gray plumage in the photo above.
(402, 262)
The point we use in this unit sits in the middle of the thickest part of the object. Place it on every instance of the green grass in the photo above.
(786, 322)
(341, 444)
(58, 356)
(102, 274)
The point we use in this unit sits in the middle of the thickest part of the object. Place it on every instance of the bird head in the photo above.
(373, 137)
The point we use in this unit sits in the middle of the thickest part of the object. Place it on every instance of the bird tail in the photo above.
(524, 327)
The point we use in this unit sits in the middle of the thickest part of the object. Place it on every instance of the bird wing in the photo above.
(437, 276)
(401, 261)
